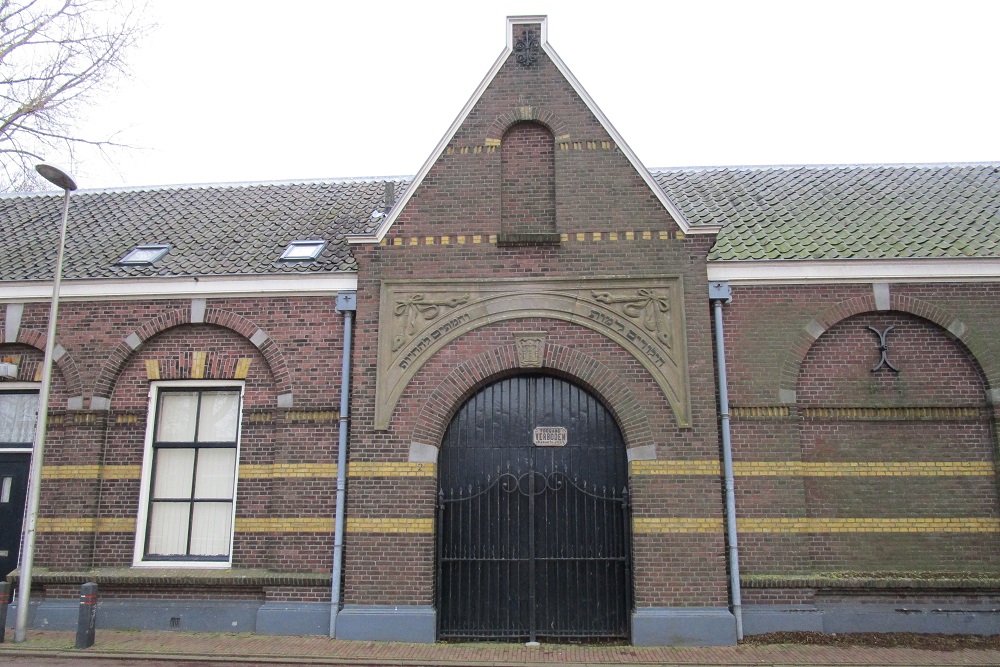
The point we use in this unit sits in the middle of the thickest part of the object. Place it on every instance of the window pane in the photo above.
(177, 416)
(216, 470)
(211, 527)
(174, 471)
(168, 529)
(220, 411)
(18, 413)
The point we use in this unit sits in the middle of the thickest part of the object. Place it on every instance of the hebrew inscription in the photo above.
(645, 316)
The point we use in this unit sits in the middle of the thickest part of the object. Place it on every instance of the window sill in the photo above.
(876, 580)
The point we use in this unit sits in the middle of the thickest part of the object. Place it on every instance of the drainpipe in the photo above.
(719, 293)
(346, 304)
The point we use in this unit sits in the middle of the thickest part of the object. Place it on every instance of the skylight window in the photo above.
(145, 254)
(303, 251)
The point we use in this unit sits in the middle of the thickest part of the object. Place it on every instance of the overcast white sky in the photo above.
(229, 91)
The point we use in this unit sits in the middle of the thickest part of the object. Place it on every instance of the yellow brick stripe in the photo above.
(366, 469)
(671, 526)
(288, 470)
(650, 526)
(85, 525)
(871, 525)
(285, 525)
(91, 472)
(253, 471)
(390, 526)
(819, 469)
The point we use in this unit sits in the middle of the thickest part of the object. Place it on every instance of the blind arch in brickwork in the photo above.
(234, 322)
(803, 340)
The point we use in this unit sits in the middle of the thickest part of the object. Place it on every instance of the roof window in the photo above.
(303, 251)
(145, 254)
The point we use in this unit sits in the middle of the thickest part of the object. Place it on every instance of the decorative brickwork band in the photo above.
(645, 316)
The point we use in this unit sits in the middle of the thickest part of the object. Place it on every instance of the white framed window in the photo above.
(298, 251)
(145, 254)
(18, 415)
(187, 502)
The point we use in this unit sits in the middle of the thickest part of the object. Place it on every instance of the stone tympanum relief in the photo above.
(645, 316)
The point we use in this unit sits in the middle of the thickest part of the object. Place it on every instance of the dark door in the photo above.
(533, 527)
(13, 492)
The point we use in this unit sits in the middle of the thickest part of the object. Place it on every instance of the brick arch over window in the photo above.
(826, 319)
(62, 359)
(466, 378)
(541, 115)
(528, 180)
(223, 318)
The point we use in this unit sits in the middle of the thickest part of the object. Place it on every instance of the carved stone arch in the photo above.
(234, 322)
(468, 377)
(643, 315)
(542, 115)
(63, 361)
(824, 320)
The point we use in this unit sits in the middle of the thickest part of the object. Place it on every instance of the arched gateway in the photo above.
(533, 525)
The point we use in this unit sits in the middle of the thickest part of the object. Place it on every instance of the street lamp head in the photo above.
(56, 176)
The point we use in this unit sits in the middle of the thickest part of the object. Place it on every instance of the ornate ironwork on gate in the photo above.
(533, 523)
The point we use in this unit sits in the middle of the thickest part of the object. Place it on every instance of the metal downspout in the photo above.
(719, 293)
(346, 304)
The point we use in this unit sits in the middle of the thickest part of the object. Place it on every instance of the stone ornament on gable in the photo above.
(526, 48)
(652, 310)
(417, 307)
(643, 315)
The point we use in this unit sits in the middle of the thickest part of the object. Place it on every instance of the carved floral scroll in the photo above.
(645, 316)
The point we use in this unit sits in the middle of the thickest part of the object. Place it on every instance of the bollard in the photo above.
(88, 616)
(4, 602)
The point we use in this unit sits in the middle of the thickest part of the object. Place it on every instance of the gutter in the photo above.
(346, 303)
(719, 293)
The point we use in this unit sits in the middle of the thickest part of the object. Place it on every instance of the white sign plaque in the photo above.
(550, 436)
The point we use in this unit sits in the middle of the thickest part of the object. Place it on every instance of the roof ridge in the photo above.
(789, 167)
(209, 186)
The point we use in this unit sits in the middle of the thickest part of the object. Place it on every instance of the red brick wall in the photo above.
(934, 413)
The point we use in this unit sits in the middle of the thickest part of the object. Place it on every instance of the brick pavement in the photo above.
(259, 649)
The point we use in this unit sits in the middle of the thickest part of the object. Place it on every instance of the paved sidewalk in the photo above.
(256, 649)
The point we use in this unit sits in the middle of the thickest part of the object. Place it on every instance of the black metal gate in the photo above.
(533, 523)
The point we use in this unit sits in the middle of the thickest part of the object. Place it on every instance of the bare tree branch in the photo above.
(56, 56)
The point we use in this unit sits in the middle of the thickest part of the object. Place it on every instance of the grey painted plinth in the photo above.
(294, 618)
(387, 623)
(945, 619)
(761, 619)
(302, 618)
(683, 626)
(843, 618)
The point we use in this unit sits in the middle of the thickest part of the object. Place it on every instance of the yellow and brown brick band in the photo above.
(253, 471)
(673, 526)
(750, 412)
(819, 469)
(574, 237)
(640, 525)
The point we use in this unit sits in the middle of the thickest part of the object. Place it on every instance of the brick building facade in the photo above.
(537, 447)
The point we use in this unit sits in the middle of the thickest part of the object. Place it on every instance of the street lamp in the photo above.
(59, 178)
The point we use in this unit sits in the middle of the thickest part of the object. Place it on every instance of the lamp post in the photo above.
(61, 179)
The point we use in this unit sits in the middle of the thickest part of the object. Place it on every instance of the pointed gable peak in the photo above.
(527, 49)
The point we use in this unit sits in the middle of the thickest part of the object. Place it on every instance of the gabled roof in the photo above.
(843, 212)
(619, 141)
(214, 230)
